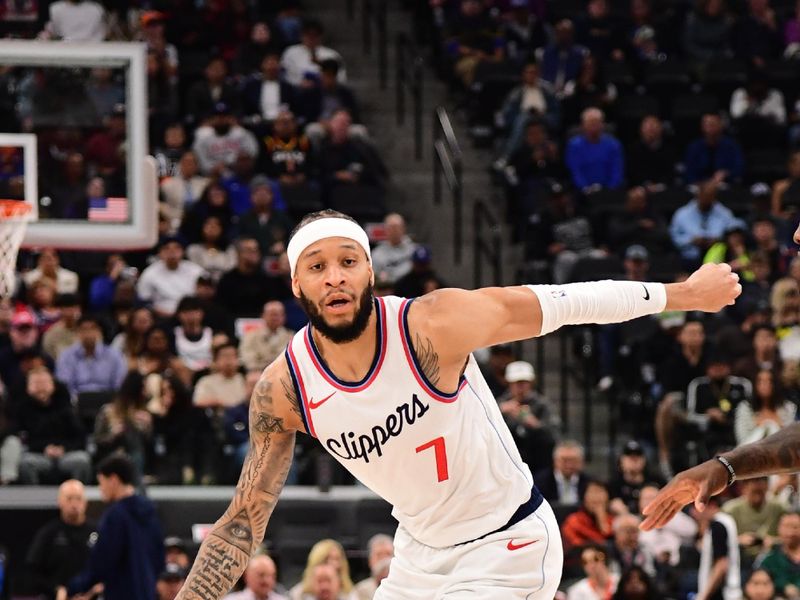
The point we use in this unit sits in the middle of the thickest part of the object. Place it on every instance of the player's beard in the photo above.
(340, 334)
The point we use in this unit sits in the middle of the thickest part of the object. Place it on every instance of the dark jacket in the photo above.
(251, 96)
(128, 555)
(55, 423)
(58, 552)
(311, 103)
(546, 482)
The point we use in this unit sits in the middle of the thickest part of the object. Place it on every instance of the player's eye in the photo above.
(349, 261)
(315, 267)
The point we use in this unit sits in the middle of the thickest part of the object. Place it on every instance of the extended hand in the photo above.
(710, 288)
(696, 485)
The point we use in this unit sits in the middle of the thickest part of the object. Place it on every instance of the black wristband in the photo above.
(729, 467)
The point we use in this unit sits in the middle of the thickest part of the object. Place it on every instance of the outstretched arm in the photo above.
(223, 556)
(778, 453)
(460, 321)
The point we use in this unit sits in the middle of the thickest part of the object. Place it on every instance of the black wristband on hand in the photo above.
(729, 467)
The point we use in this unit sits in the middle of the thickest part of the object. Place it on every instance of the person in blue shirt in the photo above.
(700, 223)
(128, 555)
(714, 155)
(594, 157)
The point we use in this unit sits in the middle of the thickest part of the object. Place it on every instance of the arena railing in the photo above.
(409, 66)
(488, 245)
(448, 161)
(374, 13)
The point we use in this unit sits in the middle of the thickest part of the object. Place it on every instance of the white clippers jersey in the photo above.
(446, 462)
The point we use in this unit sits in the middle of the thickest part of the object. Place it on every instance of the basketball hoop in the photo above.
(14, 217)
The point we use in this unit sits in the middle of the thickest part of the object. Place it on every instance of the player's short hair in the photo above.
(327, 213)
(568, 445)
(119, 465)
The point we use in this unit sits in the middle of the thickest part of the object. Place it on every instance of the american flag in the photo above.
(113, 210)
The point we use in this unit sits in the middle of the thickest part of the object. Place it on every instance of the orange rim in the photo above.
(12, 209)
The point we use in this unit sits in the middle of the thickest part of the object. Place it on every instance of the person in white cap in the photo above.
(528, 416)
(390, 388)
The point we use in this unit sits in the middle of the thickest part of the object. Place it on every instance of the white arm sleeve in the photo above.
(597, 302)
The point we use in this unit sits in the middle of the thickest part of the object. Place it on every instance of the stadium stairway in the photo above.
(410, 190)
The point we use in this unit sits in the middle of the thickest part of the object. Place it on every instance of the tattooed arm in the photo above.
(274, 419)
(778, 453)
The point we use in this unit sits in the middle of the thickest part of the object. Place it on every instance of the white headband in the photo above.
(321, 229)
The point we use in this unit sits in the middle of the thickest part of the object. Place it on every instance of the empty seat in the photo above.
(767, 165)
(686, 111)
(783, 75)
(738, 199)
(302, 199)
(668, 200)
(630, 110)
(364, 203)
(723, 76)
(619, 74)
(595, 269)
(667, 78)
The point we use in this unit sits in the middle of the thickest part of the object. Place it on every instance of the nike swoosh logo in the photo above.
(646, 292)
(312, 405)
(512, 546)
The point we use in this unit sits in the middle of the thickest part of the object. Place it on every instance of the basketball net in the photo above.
(14, 217)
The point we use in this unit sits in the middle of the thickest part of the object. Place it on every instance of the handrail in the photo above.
(490, 250)
(375, 12)
(447, 159)
(407, 54)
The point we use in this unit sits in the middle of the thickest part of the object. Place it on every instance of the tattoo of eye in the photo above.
(428, 358)
(268, 424)
(238, 532)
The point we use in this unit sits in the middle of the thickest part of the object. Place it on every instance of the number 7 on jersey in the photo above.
(440, 452)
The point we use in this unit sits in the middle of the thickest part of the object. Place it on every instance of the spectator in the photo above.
(785, 303)
(561, 61)
(472, 38)
(781, 560)
(594, 158)
(262, 42)
(104, 289)
(177, 430)
(89, 365)
(630, 478)
(176, 552)
(325, 584)
(130, 341)
(261, 346)
(245, 289)
(756, 516)
(763, 229)
(64, 332)
(665, 544)
(152, 27)
(264, 97)
(714, 155)
(168, 279)
(301, 62)
(625, 550)
(170, 152)
(24, 345)
(205, 96)
(494, 370)
(213, 252)
(259, 581)
(767, 412)
(105, 149)
(759, 586)
(523, 31)
(706, 33)
(104, 91)
(651, 159)
(758, 291)
(732, 249)
(712, 399)
(124, 425)
(321, 102)
(756, 38)
(236, 425)
(635, 584)
(263, 221)
(10, 446)
(183, 189)
(758, 101)
(720, 569)
(392, 258)
(53, 436)
(324, 552)
(565, 482)
(533, 99)
(591, 524)
(216, 202)
(237, 184)
(192, 338)
(786, 192)
(225, 386)
(421, 279)
(599, 583)
(158, 356)
(218, 143)
(346, 160)
(528, 415)
(288, 157)
(60, 548)
(47, 266)
(170, 581)
(599, 33)
(701, 222)
(67, 192)
(537, 159)
(77, 21)
(762, 355)
(129, 552)
(588, 90)
(638, 225)
(380, 550)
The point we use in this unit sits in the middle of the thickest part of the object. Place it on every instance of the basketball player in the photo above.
(390, 388)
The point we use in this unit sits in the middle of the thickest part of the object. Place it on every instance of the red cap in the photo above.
(152, 16)
(23, 318)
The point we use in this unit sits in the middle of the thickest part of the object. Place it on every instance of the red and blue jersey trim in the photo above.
(380, 354)
(411, 357)
(297, 380)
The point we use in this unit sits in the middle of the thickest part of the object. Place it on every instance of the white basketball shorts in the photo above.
(522, 562)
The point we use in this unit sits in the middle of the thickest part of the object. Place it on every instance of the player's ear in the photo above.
(295, 287)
